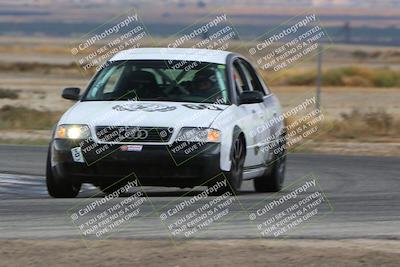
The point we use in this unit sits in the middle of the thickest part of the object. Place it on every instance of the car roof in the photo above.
(180, 54)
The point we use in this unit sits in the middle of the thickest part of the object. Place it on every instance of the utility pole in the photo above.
(347, 32)
(319, 78)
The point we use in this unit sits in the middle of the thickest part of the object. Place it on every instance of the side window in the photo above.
(252, 77)
(239, 78)
(264, 85)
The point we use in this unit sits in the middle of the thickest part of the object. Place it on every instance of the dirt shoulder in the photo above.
(200, 253)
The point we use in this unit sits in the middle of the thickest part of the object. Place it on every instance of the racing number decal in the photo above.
(202, 106)
(77, 155)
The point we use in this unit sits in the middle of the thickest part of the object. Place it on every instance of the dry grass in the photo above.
(35, 67)
(356, 126)
(359, 126)
(24, 118)
(9, 94)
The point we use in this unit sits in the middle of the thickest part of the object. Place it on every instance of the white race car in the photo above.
(169, 117)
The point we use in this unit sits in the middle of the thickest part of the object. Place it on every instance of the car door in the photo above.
(267, 113)
(251, 116)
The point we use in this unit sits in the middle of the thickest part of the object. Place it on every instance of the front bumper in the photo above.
(153, 165)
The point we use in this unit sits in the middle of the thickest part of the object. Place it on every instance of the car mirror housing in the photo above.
(250, 97)
(71, 93)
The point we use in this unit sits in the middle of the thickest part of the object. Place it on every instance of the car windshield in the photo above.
(160, 80)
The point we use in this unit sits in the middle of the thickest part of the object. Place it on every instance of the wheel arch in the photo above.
(226, 148)
(243, 137)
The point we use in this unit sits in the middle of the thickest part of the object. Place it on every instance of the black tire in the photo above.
(235, 175)
(272, 181)
(58, 187)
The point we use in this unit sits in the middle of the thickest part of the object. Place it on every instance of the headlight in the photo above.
(65, 131)
(199, 135)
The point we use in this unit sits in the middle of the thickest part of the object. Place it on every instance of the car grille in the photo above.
(133, 134)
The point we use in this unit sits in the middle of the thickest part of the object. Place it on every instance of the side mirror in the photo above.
(250, 97)
(71, 93)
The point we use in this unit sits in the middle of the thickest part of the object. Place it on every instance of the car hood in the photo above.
(142, 113)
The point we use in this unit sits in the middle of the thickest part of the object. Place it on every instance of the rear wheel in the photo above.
(59, 187)
(273, 180)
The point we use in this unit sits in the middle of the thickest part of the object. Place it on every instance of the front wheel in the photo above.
(235, 176)
(59, 187)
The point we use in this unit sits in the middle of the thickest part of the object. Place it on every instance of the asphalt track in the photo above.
(361, 199)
